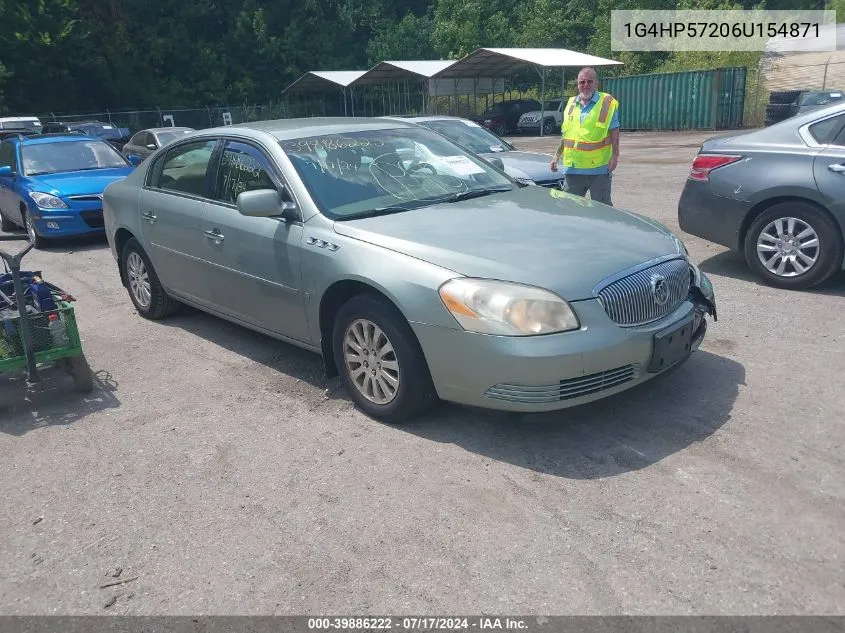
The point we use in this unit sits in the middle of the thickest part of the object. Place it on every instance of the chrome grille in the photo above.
(631, 300)
(94, 197)
(564, 389)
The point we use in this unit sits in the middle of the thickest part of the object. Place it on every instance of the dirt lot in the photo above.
(219, 468)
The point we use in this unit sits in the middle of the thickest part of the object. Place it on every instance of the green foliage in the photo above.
(89, 55)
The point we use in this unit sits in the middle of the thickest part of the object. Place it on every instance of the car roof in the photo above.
(431, 117)
(284, 129)
(45, 139)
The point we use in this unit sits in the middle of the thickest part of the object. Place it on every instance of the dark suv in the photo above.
(503, 117)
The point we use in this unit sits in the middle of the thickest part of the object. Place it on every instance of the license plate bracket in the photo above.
(671, 345)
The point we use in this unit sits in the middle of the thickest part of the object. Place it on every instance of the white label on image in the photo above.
(462, 165)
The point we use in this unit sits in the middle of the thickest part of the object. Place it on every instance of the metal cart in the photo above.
(37, 323)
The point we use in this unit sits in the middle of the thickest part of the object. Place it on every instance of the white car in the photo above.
(552, 116)
(19, 122)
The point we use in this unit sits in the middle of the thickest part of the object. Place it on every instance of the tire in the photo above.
(415, 391)
(145, 290)
(80, 372)
(37, 240)
(548, 127)
(827, 255)
(784, 96)
(6, 225)
(499, 129)
(775, 110)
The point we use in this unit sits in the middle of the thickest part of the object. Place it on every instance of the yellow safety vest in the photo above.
(587, 145)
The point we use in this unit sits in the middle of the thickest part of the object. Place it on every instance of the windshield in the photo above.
(821, 99)
(360, 173)
(470, 135)
(103, 131)
(168, 137)
(18, 125)
(54, 158)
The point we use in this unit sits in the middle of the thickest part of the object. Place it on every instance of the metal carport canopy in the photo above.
(500, 62)
(324, 80)
(399, 70)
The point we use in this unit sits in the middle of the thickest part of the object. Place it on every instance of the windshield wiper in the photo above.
(476, 193)
(374, 212)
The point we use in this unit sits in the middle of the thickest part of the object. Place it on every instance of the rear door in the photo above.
(172, 205)
(829, 163)
(255, 262)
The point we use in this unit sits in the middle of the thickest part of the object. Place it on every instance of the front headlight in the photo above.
(46, 201)
(497, 307)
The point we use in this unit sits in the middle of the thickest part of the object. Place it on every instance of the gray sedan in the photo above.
(777, 194)
(434, 276)
(521, 165)
(145, 142)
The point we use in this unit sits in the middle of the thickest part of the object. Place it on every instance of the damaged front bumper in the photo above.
(703, 298)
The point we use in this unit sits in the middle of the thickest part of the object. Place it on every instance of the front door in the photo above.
(9, 202)
(172, 207)
(256, 262)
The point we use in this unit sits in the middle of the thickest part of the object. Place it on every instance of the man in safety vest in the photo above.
(590, 140)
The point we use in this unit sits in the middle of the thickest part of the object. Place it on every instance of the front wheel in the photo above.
(380, 360)
(145, 289)
(793, 245)
(35, 238)
(548, 127)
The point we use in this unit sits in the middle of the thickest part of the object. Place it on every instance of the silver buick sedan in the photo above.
(416, 269)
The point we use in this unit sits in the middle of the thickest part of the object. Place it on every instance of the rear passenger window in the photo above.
(183, 168)
(825, 132)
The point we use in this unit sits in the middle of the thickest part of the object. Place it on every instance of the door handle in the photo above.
(839, 169)
(149, 216)
(215, 235)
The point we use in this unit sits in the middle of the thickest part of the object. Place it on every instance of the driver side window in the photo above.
(7, 156)
(242, 168)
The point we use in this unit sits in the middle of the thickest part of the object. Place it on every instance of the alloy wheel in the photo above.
(139, 279)
(788, 247)
(371, 361)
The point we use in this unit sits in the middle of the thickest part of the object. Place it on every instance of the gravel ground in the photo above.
(221, 471)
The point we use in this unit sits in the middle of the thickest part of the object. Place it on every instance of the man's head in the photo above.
(588, 82)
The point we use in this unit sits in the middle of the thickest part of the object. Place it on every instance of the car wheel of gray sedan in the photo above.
(381, 363)
(145, 290)
(793, 245)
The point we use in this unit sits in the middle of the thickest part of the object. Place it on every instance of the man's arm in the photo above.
(557, 155)
(614, 141)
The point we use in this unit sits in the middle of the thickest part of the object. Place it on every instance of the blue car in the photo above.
(53, 185)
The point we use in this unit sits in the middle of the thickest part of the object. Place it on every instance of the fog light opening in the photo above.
(53, 225)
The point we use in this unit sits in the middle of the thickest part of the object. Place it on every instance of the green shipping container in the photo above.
(692, 100)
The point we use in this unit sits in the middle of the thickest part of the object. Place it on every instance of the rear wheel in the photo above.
(380, 361)
(793, 245)
(548, 127)
(145, 289)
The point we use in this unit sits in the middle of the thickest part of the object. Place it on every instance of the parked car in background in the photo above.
(116, 136)
(787, 103)
(53, 185)
(17, 132)
(777, 195)
(434, 276)
(145, 142)
(524, 166)
(503, 117)
(18, 122)
(552, 117)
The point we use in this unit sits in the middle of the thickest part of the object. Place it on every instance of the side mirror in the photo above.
(135, 159)
(266, 203)
(151, 146)
(6, 170)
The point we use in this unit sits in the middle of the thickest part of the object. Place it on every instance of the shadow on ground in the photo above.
(627, 432)
(732, 264)
(51, 402)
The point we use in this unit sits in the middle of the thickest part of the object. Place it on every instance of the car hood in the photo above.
(531, 165)
(537, 236)
(78, 182)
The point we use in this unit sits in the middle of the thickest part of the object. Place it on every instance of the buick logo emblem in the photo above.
(659, 289)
